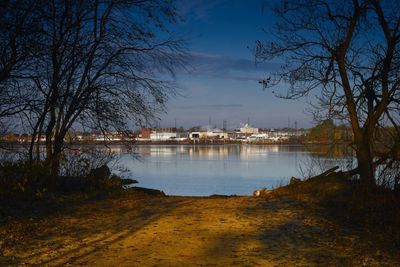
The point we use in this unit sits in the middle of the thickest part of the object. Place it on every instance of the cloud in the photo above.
(198, 9)
(229, 68)
(211, 107)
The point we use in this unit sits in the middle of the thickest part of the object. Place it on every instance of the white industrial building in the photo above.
(162, 136)
(246, 129)
(209, 134)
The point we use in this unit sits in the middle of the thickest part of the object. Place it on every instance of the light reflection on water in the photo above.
(225, 169)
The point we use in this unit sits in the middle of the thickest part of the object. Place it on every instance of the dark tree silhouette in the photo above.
(350, 52)
(95, 64)
(17, 38)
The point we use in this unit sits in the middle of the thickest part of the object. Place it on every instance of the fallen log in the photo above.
(328, 172)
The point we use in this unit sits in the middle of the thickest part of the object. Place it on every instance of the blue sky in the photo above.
(222, 82)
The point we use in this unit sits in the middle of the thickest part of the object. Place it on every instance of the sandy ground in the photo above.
(187, 231)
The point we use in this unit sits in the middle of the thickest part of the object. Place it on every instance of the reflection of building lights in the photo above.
(256, 152)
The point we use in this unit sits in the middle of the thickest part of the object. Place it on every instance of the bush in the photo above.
(32, 179)
(22, 177)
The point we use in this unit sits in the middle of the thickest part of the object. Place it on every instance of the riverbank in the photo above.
(186, 142)
(303, 224)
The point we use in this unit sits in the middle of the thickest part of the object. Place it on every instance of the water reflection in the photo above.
(221, 169)
(224, 169)
(221, 151)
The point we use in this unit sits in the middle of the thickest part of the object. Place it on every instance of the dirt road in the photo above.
(187, 231)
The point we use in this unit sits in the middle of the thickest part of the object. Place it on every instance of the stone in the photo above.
(262, 192)
(100, 173)
(294, 180)
(127, 181)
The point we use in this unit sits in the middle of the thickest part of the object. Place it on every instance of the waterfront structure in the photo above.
(162, 136)
(208, 134)
(246, 129)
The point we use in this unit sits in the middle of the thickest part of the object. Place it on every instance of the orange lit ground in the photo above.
(142, 230)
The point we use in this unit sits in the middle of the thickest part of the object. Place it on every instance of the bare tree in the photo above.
(350, 52)
(104, 64)
(18, 26)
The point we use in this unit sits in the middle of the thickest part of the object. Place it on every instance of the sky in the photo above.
(222, 80)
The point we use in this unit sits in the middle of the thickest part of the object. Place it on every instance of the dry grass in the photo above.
(295, 226)
(373, 210)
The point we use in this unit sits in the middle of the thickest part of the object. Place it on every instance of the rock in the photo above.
(100, 173)
(148, 191)
(128, 181)
(262, 192)
(294, 180)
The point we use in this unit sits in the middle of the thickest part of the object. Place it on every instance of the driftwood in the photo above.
(328, 172)
(344, 174)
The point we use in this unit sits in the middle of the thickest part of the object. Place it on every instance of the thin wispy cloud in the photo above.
(228, 68)
(212, 107)
(198, 9)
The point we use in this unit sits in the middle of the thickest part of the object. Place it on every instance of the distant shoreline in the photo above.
(203, 142)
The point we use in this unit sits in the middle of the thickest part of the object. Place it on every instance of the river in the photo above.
(224, 169)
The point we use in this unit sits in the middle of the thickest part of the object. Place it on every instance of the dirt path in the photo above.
(184, 231)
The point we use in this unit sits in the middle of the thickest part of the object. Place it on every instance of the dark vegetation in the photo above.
(329, 133)
(348, 53)
(87, 65)
(97, 65)
(375, 212)
(22, 179)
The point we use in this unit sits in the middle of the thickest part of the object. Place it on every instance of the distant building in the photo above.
(257, 137)
(109, 137)
(9, 137)
(162, 136)
(208, 134)
(145, 133)
(246, 129)
(23, 138)
(236, 135)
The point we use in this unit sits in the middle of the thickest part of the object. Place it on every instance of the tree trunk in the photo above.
(55, 163)
(56, 156)
(365, 163)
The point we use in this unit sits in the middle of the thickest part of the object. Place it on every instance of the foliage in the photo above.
(322, 132)
(23, 178)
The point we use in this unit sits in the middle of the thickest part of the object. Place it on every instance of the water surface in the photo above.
(220, 169)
